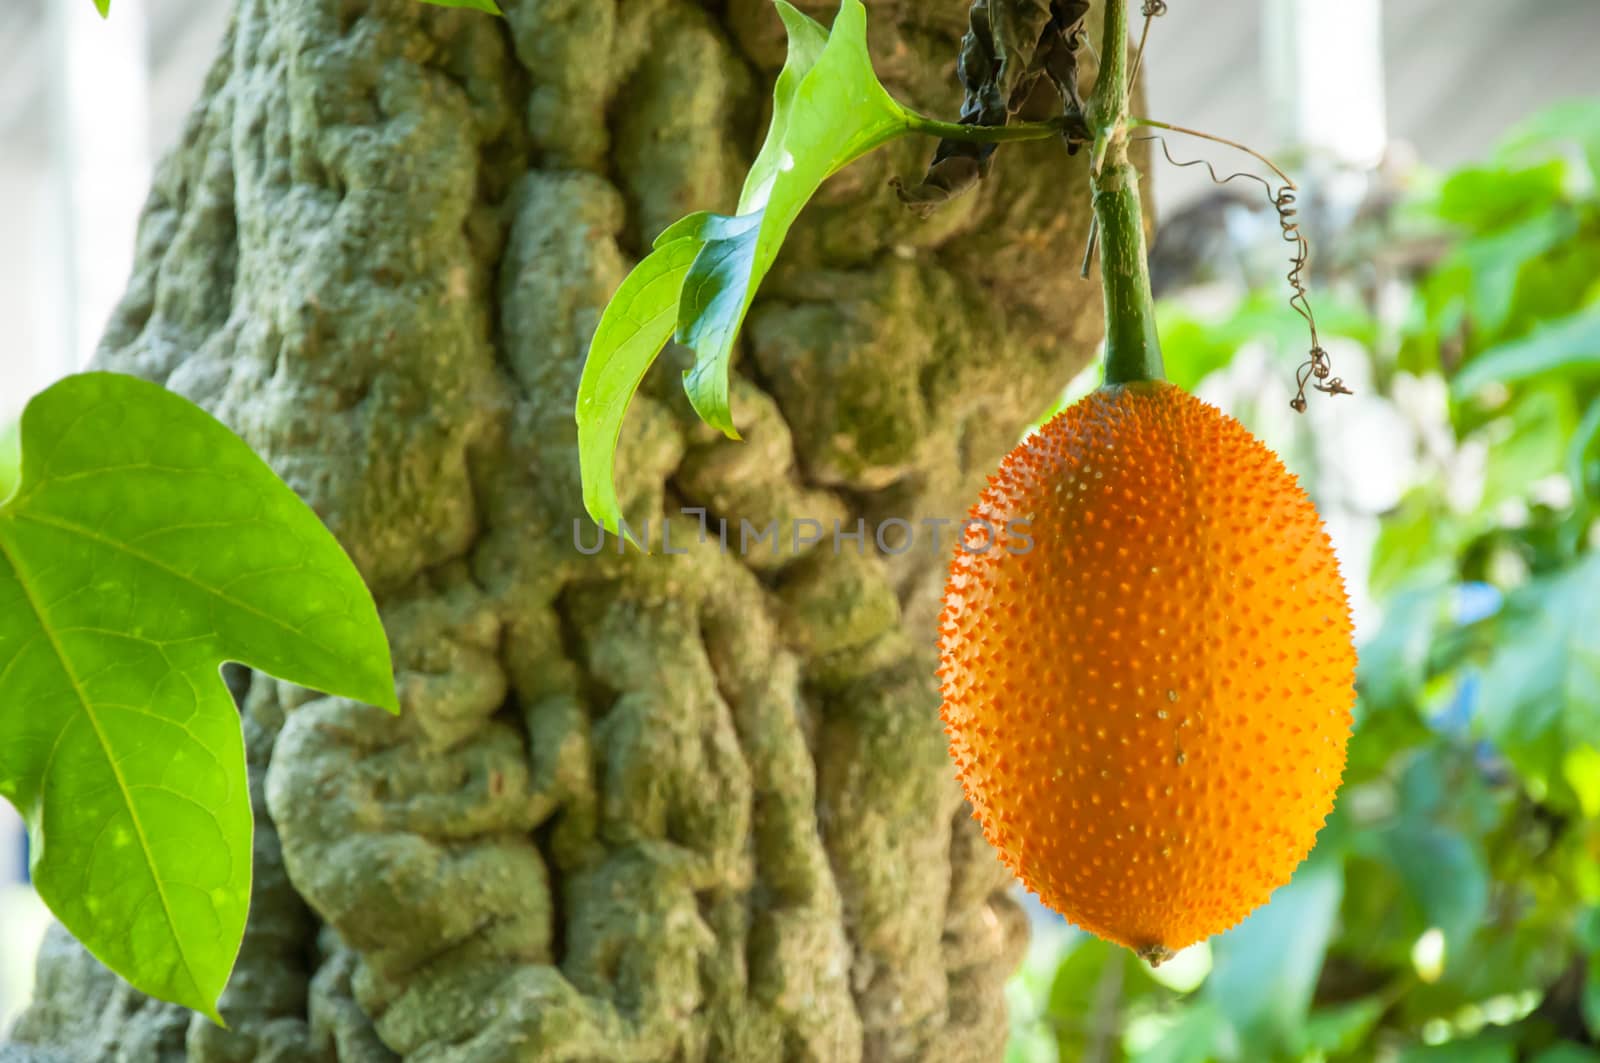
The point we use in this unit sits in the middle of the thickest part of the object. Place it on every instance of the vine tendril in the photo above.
(1317, 370)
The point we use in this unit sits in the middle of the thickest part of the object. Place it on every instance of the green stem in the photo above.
(1133, 350)
(984, 134)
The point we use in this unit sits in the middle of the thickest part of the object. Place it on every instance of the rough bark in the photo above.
(636, 808)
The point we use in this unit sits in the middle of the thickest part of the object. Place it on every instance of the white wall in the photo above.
(1459, 74)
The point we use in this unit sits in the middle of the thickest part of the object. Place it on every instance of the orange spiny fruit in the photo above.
(1147, 686)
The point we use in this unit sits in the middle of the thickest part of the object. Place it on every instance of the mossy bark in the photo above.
(636, 808)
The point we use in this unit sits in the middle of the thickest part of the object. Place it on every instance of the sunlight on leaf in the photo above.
(145, 545)
(10, 458)
(1581, 766)
(807, 39)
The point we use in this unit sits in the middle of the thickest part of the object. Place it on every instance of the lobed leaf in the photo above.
(146, 544)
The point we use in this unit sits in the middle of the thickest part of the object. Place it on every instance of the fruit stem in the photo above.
(1133, 350)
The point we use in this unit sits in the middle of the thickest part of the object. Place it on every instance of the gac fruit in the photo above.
(1147, 667)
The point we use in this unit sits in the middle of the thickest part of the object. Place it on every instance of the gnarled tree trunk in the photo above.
(637, 807)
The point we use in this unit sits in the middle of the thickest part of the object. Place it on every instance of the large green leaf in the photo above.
(1568, 346)
(145, 545)
(828, 110)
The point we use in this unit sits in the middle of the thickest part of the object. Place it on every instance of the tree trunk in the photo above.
(637, 807)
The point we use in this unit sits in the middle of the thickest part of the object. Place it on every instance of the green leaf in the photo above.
(1581, 769)
(1445, 873)
(1528, 442)
(1261, 986)
(1583, 459)
(807, 40)
(1192, 1038)
(104, 7)
(1090, 994)
(1587, 932)
(1567, 1053)
(1490, 197)
(1490, 1048)
(1571, 122)
(10, 458)
(1341, 1028)
(1496, 260)
(145, 545)
(1394, 663)
(1590, 1004)
(716, 293)
(1417, 543)
(475, 5)
(636, 323)
(828, 110)
(837, 112)
(1568, 346)
(1540, 695)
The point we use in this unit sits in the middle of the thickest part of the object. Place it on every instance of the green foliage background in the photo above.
(1451, 910)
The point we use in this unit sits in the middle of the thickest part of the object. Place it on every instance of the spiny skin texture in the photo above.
(1149, 706)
